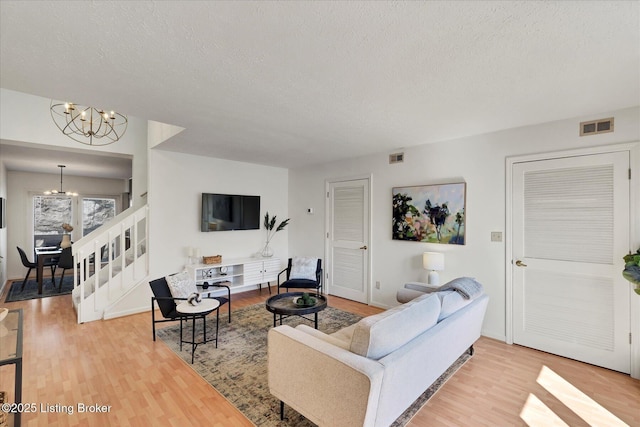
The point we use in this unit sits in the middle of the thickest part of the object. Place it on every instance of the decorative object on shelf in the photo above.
(193, 255)
(88, 125)
(223, 271)
(270, 227)
(430, 213)
(214, 259)
(61, 191)
(631, 270)
(433, 262)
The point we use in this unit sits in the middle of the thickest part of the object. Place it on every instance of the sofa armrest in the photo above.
(419, 286)
(327, 384)
(324, 337)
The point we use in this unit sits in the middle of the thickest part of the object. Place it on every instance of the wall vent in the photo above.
(396, 158)
(594, 127)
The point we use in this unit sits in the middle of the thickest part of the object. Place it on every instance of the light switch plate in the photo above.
(496, 236)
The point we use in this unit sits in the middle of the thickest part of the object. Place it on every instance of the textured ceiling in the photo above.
(295, 83)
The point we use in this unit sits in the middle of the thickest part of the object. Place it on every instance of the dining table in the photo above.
(43, 254)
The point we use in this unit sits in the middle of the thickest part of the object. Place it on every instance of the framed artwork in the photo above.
(430, 213)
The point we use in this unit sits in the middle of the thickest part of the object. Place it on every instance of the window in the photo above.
(49, 213)
(96, 211)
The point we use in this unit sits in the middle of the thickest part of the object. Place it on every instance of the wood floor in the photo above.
(116, 363)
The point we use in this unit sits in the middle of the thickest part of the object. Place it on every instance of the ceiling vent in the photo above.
(596, 126)
(396, 158)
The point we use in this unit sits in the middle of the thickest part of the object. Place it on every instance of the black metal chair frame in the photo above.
(31, 265)
(301, 283)
(222, 300)
(65, 262)
(168, 308)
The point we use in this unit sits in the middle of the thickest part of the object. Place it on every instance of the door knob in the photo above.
(363, 247)
(520, 263)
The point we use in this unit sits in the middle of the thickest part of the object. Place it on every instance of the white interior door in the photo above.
(347, 272)
(570, 232)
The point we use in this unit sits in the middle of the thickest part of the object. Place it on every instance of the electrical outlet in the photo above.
(377, 284)
(496, 236)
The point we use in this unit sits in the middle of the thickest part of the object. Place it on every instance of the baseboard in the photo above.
(129, 312)
(498, 337)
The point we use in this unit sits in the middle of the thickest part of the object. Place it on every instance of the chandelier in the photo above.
(61, 192)
(88, 125)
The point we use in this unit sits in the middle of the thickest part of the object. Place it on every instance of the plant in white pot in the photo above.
(270, 226)
(631, 270)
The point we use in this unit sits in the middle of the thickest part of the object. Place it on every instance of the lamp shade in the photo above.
(433, 261)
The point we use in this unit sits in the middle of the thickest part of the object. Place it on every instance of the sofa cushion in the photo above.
(451, 301)
(376, 336)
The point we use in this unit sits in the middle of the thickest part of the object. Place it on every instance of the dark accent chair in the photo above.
(166, 303)
(31, 265)
(300, 283)
(65, 262)
(222, 300)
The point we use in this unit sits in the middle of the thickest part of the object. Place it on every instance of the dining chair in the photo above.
(31, 265)
(65, 262)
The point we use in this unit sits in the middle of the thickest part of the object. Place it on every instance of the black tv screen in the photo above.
(223, 212)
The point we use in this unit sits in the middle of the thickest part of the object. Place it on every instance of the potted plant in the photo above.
(270, 226)
(631, 270)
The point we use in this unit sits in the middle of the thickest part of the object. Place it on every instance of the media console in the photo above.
(240, 274)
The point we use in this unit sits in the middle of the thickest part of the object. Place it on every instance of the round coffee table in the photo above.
(284, 305)
(198, 311)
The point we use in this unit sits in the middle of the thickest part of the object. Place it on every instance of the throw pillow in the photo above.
(181, 285)
(303, 268)
(451, 301)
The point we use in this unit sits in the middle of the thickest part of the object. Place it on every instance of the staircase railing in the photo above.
(109, 262)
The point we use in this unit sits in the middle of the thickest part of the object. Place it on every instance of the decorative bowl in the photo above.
(299, 302)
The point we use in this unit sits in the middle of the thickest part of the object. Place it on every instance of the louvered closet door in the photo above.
(348, 240)
(570, 232)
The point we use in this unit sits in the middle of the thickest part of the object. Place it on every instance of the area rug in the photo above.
(31, 289)
(238, 367)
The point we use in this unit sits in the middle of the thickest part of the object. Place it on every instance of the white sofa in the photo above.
(368, 373)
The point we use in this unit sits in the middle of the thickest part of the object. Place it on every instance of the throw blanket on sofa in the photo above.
(468, 287)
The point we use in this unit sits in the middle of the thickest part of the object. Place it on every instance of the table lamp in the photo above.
(433, 262)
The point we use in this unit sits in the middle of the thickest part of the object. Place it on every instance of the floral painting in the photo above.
(430, 213)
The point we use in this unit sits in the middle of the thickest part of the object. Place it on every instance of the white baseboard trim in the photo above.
(116, 314)
(489, 334)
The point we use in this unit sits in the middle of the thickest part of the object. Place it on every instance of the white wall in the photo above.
(19, 222)
(477, 160)
(176, 182)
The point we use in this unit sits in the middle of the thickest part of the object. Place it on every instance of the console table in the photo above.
(239, 273)
(11, 352)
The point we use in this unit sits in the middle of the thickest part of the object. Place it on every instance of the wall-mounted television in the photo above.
(223, 212)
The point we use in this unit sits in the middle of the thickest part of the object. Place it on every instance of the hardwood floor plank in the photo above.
(116, 362)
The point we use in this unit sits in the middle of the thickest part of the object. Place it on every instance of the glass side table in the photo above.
(11, 352)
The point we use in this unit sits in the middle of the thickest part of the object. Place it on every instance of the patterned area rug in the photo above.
(238, 367)
(31, 289)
